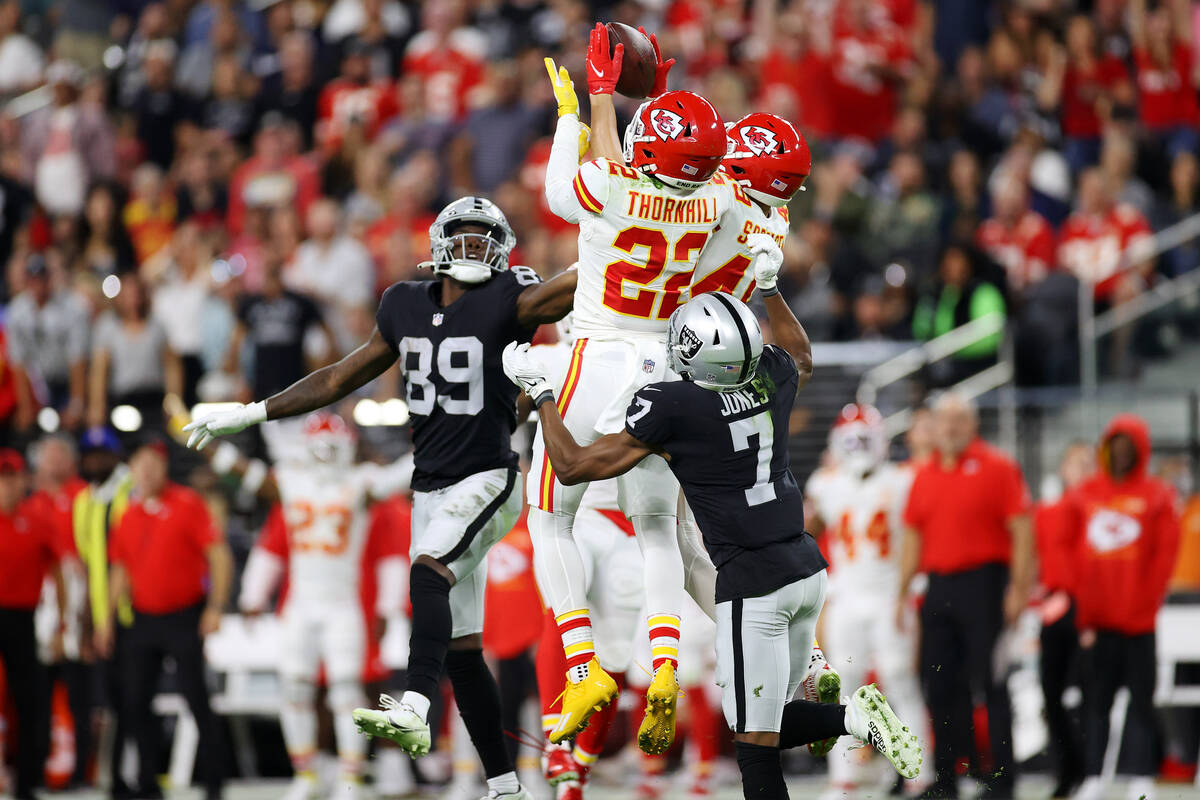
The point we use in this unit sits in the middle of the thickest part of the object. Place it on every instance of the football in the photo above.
(638, 63)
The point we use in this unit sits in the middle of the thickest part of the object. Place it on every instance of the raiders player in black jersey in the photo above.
(724, 431)
(448, 335)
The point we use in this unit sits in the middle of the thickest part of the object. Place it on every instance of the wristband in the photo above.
(256, 413)
(774, 290)
(545, 397)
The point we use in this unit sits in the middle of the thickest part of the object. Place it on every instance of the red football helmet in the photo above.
(858, 441)
(329, 439)
(677, 137)
(768, 157)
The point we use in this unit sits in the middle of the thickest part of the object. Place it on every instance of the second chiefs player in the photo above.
(325, 498)
(858, 501)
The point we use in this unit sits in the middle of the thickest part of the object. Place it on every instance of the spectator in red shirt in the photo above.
(1094, 243)
(968, 527)
(1056, 547)
(1094, 82)
(354, 100)
(1126, 525)
(1162, 56)
(869, 57)
(29, 549)
(174, 565)
(273, 170)
(1017, 237)
(448, 56)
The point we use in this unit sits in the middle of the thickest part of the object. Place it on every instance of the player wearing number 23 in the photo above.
(447, 335)
(723, 430)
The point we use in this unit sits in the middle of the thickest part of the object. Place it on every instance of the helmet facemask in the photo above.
(471, 241)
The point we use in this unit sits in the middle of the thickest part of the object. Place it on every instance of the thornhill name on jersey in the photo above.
(681, 211)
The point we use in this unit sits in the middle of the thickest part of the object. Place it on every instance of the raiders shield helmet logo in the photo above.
(666, 124)
(689, 343)
(760, 140)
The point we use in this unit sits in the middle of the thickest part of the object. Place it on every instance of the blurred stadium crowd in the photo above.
(203, 199)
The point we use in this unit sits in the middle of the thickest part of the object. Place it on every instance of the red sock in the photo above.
(590, 741)
(551, 664)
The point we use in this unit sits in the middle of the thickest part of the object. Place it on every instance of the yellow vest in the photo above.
(92, 520)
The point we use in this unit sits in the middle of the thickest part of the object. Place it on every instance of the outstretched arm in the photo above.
(315, 390)
(549, 301)
(330, 384)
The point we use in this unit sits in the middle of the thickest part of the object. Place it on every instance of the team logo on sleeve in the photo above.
(760, 140)
(667, 124)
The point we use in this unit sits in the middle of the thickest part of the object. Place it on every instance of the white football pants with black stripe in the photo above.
(457, 525)
(763, 649)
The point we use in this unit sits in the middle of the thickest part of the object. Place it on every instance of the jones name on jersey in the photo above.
(732, 461)
(463, 408)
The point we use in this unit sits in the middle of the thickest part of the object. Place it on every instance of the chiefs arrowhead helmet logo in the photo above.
(666, 124)
(759, 140)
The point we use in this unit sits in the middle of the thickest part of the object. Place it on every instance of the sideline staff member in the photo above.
(967, 523)
(29, 547)
(164, 551)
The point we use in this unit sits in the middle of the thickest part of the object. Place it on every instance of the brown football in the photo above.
(638, 63)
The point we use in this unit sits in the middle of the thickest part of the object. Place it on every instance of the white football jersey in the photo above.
(638, 241)
(725, 264)
(863, 524)
(326, 510)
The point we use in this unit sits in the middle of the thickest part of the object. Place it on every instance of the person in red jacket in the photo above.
(1056, 545)
(1126, 524)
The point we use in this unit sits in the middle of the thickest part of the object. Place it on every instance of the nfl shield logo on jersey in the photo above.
(437, 319)
(648, 366)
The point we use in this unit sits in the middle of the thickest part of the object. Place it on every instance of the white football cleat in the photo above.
(520, 794)
(395, 721)
(871, 719)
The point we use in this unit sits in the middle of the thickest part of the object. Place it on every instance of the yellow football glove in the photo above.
(585, 141)
(564, 89)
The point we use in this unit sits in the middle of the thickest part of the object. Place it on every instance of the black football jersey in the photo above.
(463, 407)
(729, 451)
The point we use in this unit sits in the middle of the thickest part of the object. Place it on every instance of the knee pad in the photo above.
(345, 696)
(298, 691)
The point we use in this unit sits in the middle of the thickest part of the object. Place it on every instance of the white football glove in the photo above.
(768, 260)
(528, 372)
(224, 422)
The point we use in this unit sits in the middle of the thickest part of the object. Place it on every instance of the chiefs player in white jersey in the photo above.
(325, 505)
(767, 161)
(858, 501)
(641, 228)
(612, 568)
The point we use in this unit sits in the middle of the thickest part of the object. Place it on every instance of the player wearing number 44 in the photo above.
(723, 430)
(448, 335)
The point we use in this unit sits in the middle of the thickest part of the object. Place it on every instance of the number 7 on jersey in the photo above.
(760, 426)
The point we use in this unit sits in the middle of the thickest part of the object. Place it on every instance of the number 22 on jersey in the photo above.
(636, 290)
